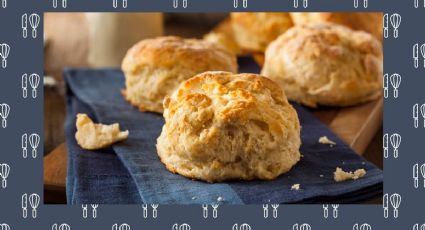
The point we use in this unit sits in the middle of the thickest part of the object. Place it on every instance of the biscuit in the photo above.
(223, 126)
(369, 22)
(92, 136)
(154, 68)
(254, 31)
(326, 64)
(223, 36)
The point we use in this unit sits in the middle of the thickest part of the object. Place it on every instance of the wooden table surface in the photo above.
(359, 126)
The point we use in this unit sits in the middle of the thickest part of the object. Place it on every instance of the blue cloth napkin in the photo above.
(130, 171)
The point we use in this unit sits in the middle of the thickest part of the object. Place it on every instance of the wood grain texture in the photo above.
(55, 167)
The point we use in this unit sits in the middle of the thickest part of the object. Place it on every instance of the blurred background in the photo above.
(101, 40)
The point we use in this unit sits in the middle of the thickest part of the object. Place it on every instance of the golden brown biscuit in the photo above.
(326, 64)
(254, 31)
(369, 22)
(222, 126)
(223, 36)
(154, 68)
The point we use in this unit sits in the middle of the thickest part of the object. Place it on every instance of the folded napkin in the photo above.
(130, 172)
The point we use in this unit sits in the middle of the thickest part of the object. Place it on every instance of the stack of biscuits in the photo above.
(221, 125)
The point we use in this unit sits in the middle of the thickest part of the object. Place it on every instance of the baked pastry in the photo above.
(369, 22)
(222, 126)
(254, 31)
(223, 36)
(93, 136)
(326, 64)
(154, 68)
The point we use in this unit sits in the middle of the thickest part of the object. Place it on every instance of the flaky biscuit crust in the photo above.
(254, 31)
(222, 126)
(155, 67)
(326, 64)
(369, 22)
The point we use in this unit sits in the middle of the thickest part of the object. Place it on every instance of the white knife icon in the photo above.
(385, 145)
(416, 115)
(24, 206)
(386, 85)
(24, 145)
(416, 55)
(24, 85)
(24, 25)
(416, 175)
(385, 205)
(385, 25)
(325, 211)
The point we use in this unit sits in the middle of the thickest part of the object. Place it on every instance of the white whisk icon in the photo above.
(34, 200)
(5, 50)
(395, 80)
(34, 20)
(395, 200)
(395, 140)
(395, 22)
(244, 226)
(301, 227)
(4, 173)
(362, 227)
(4, 3)
(4, 226)
(34, 140)
(4, 113)
(34, 80)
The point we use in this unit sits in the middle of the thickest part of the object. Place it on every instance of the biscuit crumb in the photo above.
(295, 187)
(93, 136)
(220, 199)
(341, 175)
(321, 175)
(326, 141)
(194, 198)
